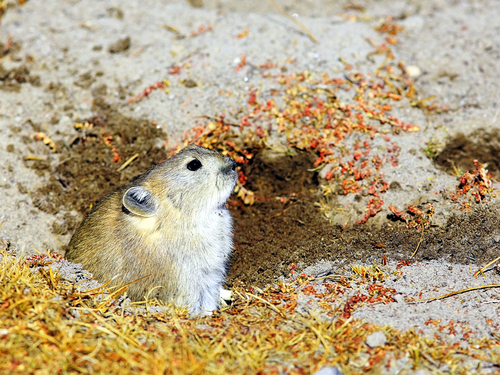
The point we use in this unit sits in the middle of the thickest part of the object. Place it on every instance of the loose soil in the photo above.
(284, 225)
(89, 161)
(271, 235)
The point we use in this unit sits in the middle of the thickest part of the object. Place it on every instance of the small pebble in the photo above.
(328, 371)
(121, 45)
(413, 71)
(422, 372)
(376, 339)
(225, 294)
(189, 83)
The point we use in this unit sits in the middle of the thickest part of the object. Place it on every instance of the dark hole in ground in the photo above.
(462, 150)
(274, 232)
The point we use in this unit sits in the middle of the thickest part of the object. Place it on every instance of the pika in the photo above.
(171, 223)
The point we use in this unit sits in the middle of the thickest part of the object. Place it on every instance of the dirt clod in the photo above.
(120, 45)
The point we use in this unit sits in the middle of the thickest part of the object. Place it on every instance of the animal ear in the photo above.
(140, 201)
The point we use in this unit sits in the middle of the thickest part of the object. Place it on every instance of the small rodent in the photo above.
(170, 222)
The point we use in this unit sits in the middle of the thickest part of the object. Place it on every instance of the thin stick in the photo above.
(304, 29)
(32, 157)
(457, 292)
(331, 277)
(419, 242)
(125, 165)
(484, 267)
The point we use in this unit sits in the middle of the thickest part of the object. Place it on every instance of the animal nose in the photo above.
(233, 165)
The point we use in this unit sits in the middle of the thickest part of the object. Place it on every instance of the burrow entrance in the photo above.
(285, 226)
(461, 151)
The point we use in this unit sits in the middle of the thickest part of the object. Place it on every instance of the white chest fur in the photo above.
(199, 256)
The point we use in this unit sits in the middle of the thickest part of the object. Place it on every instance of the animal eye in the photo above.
(194, 165)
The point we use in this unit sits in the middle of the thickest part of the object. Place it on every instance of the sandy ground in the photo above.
(70, 54)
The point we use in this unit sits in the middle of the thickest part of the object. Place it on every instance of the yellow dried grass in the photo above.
(48, 327)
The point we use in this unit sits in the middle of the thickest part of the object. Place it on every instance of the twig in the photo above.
(125, 165)
(480, 271)
(488, 302)
(32, 157)
(457, 292)
(330, 277)
(304, 29)
(419, 242)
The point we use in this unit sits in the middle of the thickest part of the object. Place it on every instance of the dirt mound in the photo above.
(90, 161)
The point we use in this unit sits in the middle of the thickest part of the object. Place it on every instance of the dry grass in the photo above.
(48, 327)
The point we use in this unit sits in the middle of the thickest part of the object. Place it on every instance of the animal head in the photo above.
(195, 180)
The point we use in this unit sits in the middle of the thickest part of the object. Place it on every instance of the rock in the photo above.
(422, 372)
(328, 371)
(120, 45)
(225, 294)
(413, 71)
(189, 83)
(376, 339)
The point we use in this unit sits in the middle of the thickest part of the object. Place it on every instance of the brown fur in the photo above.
(180, 234)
